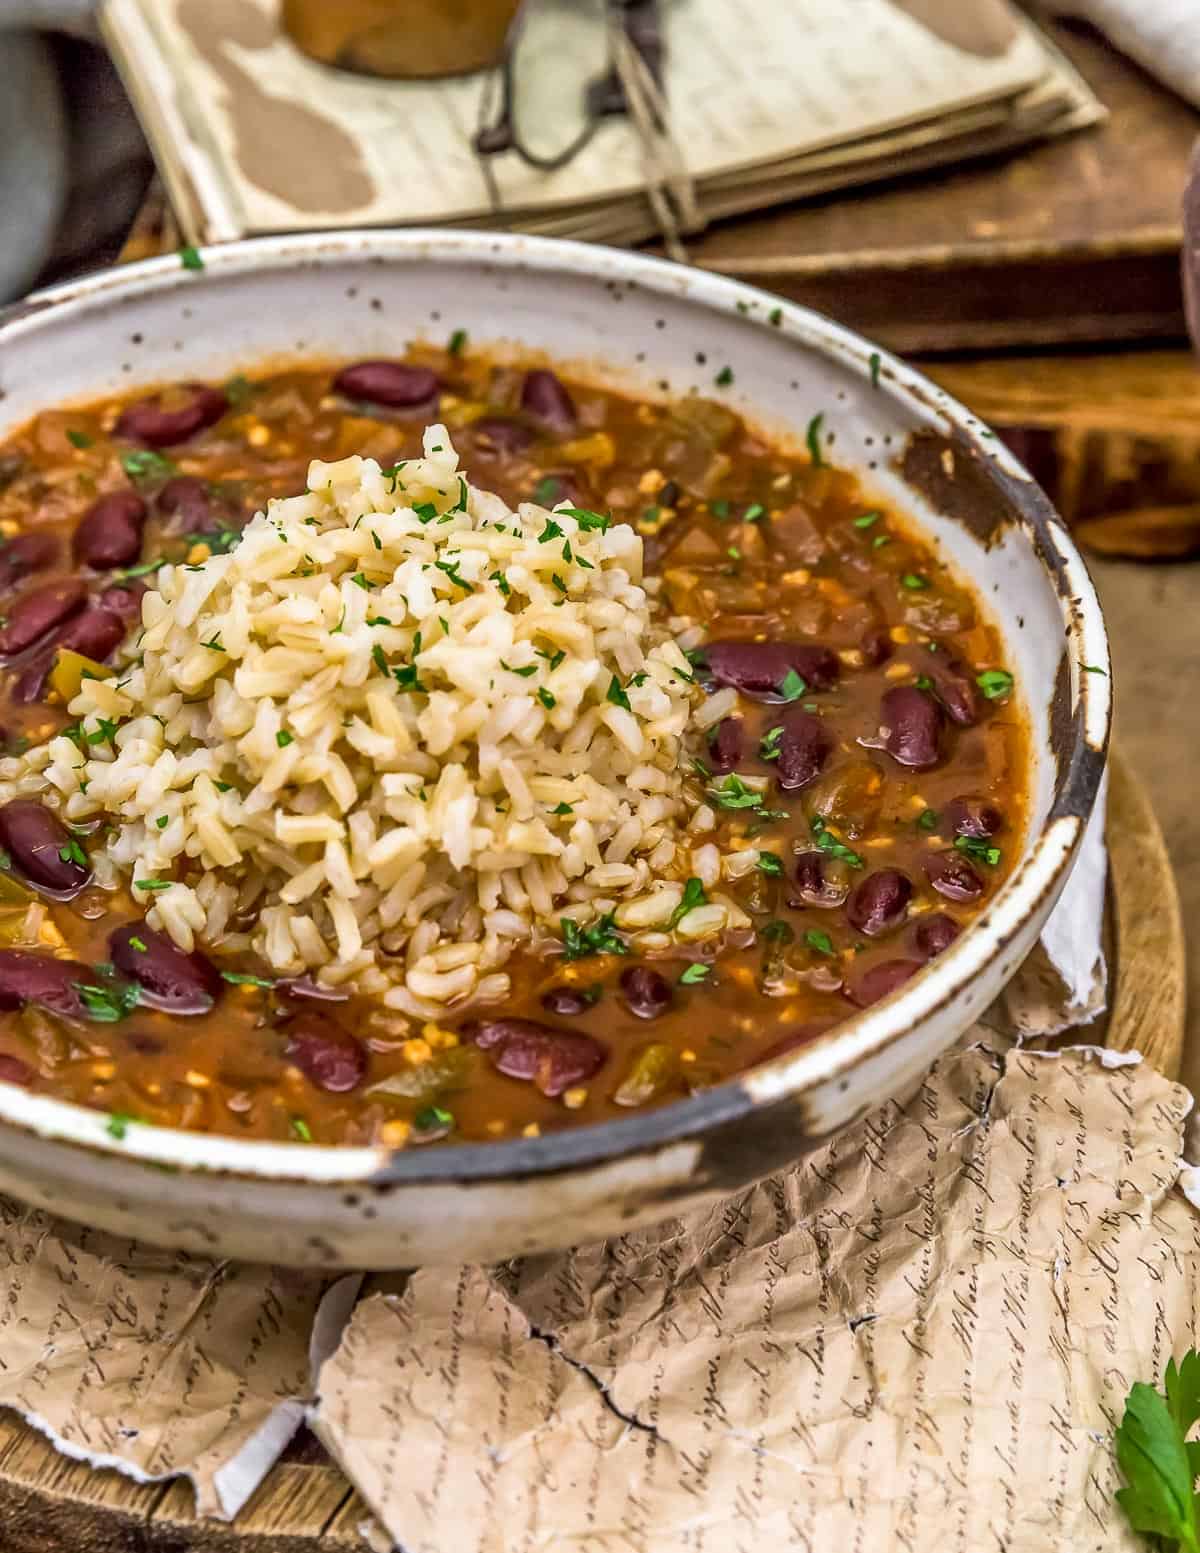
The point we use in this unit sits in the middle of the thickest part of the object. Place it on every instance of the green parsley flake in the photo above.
(1094, 668)
(724, 377)
(283, 738)
(551, 531)
(768, 747)
(546, 698)
(819, 941)
(562, 808)
(927, 819)
(792, 686)
(139, 944)
(108, 1002)
(828, 842)
(433, 1119)
(456, 342)
(191, 258)
(769, 863)
(995, 683)
(600, 938)
(73, 853)
(979, 848)
(812, 437)
(244, 979)
(558, 583)
(867, 519)
(875, 361)
(79, 439)
(720, 509)
(775, 316)
(118, 1125)
(616, 695)
(152, 884)
(696, 972)
(545, 492)
(914, 581)
(754, 512)
(693, 896)
(145, 464)
(524, 673)
(300, 1128)
(586, 519)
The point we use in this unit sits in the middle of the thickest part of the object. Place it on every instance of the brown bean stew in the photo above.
(871, 694)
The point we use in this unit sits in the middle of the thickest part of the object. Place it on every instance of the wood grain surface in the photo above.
(49, 1504)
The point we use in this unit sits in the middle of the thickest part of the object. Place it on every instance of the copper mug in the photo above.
(401, 38)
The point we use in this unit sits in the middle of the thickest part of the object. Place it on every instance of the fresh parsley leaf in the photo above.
(143, 569)
(867, 519)
(79, 439)
(874, 362)
(792, 686)
(600, 938)
(927, 819)
(754, 512)
(562, 808)
(191, 258)
(118, 1125)
(107, 1002)
(529, 669)
(616, 695)
(244, 979)
(152, 884)
(818, 941)
(693, 896)
(732, 793)
(456, 342)
(995, 683)
(283, 738)
(137, 943)
(548, 700)
(73, 853)
(1094, 668)
(724, 377)
(978, 848)
(1154, 1454)
(775, 316)
(913, 581)
(813, 438)
(768, 745)
(828, 842)
(433, 1119)
(768, 863)
(696, 972)
(146, 464)
(301, 1129)
(587, 519)
(551, 531)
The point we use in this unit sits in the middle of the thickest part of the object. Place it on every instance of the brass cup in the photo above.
(401, 39)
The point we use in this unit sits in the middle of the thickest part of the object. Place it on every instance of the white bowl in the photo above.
(639, 323)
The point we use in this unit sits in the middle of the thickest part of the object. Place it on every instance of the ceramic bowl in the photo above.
(635, 322)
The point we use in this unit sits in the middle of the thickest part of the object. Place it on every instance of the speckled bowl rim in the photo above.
(1042, 871)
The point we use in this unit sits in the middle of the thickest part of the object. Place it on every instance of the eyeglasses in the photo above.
(558, 79)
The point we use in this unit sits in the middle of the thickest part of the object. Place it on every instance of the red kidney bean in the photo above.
(804, 747)
(554, 1060)
(816, 883)
(124, 600)
(24, 554)
(973, 817)
(39, 611)
(26, 977)
(566, 1001)
(952, 876)
(40, 847)
(110, 533)
(879, 981)
(955, 687)
(910, 723)
(391, 383)
(544, 397)
(759, 669)
(150, 423)
(933, 933)
(501, 438)
(646, 993)
(186, 497)
(876, 646)
(725, 745)
(14, 1071)
(178, 982)
(327, 1055)
(878, 904)
(802, 1035)
(94, 632)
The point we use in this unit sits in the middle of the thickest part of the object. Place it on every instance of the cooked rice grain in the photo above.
(398, 729)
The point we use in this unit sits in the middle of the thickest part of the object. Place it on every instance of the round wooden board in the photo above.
(49, 1504)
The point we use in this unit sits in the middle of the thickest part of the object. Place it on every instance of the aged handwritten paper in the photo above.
(919, 1338)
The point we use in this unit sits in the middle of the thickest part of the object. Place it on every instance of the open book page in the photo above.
(254, 137)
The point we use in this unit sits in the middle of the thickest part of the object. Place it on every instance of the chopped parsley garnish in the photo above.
(552, 658)
(693, 896)
(118, 1125)
(73, 853)
(190, 258)
(501, 582)
(545, 492)
(451, 570)
(927, 819)
(769, 863)
(223, 787)
(1094, 668)
(819, 941)
(616, 695)
(812, 437)
(880, 540)
(778, 932)
(600, 938)
(214, 645)
(456, 342)
(874, 361)
(361, 580)
(768, 747)
(558, 582)
(433, 1119)
(145, 464)
(551, 531)
(828, 842)
(979, 848)
(724, 377)
(923, 682)
(124, 573)
(754, 512)
(562, 808)
(775, 316)
(792, 686)
(79, 439)
(720, 509)
(238, 389)
(425, 511)
(995, 683)
(138, 944)
(732, 793)
(152, 884)
(524, 673)
(546, 698)
(283, 738)
(867, 519)
(301, 1129)
(587, 519)
(243, 979)
(696, 972)
(107, 1002)
(163, 821)
(105, 731)
(914, 581)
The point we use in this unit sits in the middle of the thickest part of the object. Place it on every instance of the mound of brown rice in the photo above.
(397, 731)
